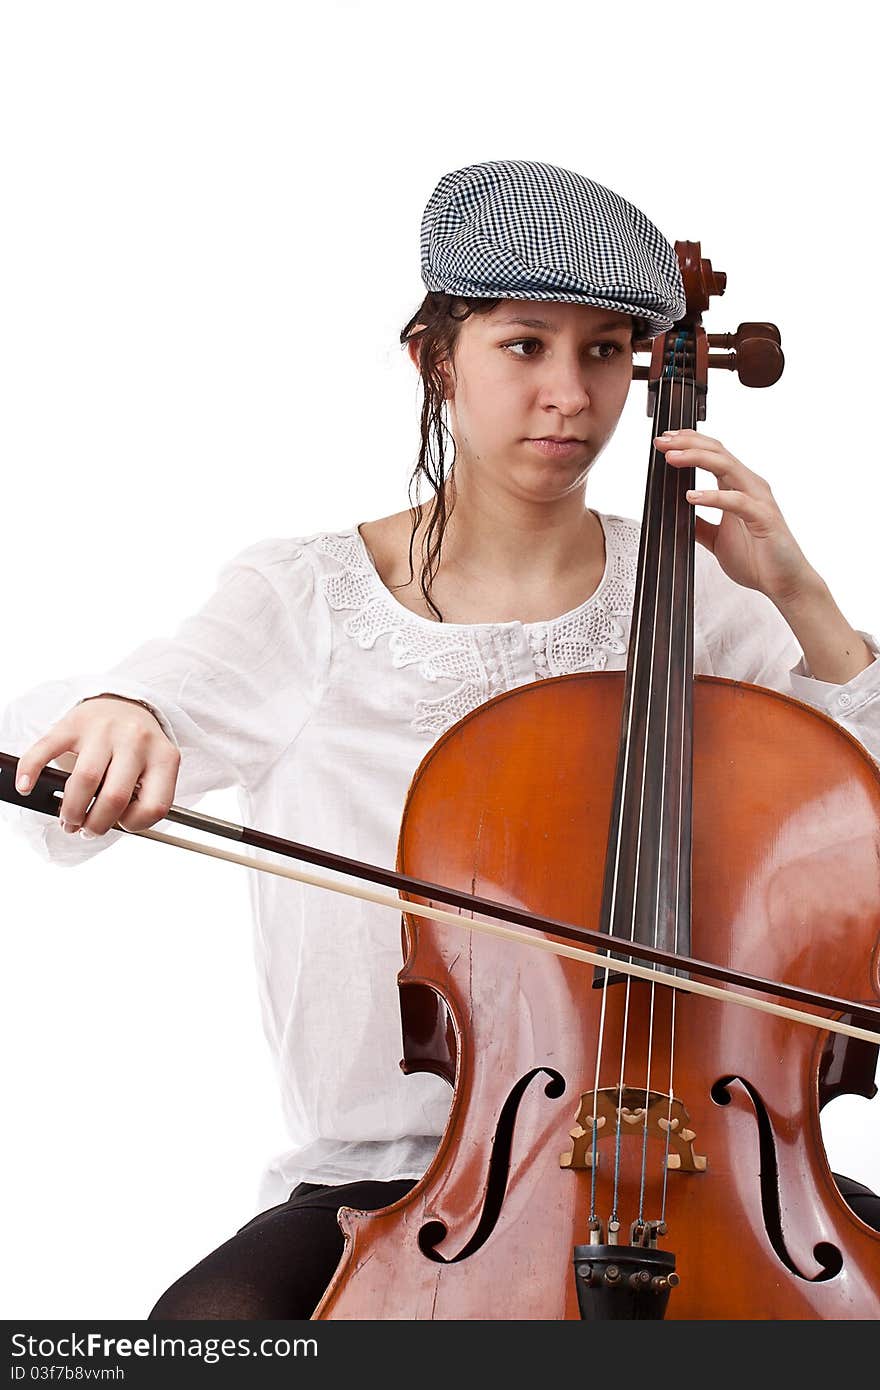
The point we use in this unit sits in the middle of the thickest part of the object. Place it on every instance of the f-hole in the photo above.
(433, 1232)
(825, 1254)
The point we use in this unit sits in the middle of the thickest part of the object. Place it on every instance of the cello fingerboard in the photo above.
(647, 885)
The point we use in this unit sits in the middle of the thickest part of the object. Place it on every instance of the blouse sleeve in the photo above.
(739, 633)
(231, 688)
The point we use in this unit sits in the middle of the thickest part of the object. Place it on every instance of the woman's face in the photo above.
(565, 373)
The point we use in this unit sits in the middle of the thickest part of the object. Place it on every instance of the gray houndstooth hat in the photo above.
(518, 229)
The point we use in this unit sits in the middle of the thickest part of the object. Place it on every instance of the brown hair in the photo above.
(440, 317)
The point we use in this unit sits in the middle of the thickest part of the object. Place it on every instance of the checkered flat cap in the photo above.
(518, 229)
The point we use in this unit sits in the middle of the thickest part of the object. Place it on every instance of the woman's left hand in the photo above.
(752, 542)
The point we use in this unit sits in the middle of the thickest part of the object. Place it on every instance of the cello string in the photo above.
(679, 482)
(683, 477)
(652, 995)
(635, 628)
(670, 481)
(661, 470)
(615, 1216)
(595, 1131)
(670, 519)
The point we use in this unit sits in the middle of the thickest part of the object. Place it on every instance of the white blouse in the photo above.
(305, 684)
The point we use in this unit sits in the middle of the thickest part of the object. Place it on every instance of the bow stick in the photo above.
(45, 798)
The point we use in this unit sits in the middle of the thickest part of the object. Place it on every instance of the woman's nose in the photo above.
(566, 388)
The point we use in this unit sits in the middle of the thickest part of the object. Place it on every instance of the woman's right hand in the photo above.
(120, 757)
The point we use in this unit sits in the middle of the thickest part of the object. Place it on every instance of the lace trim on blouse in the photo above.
(476, 656)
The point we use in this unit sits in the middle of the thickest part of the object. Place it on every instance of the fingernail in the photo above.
(23, 784)
(87, 834)
(68, 826)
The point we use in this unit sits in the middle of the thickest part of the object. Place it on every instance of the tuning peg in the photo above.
(745, 330)
(757, 358)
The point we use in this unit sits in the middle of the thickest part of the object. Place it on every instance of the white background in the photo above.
(209, 246)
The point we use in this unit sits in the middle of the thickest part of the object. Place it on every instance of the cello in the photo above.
(614, 1150)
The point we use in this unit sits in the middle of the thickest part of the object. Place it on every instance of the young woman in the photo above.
(323, 667)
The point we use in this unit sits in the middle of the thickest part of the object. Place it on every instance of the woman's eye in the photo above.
(521, 342)
(605, 351)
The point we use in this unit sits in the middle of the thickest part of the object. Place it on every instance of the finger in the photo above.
(693, 438)
(753, 512)
(114, 795)
(83, 783)
(32, 761)
(728, 471)
(706, 532)
(153, 795)
(687, 456)
(725, 467)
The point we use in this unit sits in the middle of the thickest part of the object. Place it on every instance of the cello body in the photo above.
(514, 803)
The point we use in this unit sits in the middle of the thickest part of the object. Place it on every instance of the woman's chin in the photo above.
(548, 489)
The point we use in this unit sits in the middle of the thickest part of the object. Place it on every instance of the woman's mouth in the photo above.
(557, 449)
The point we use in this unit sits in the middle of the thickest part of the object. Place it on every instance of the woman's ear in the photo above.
(414, 348)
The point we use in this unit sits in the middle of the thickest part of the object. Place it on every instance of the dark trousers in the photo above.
(280, 1263)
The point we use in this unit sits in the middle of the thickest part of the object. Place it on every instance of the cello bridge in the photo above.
(632, 1111)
